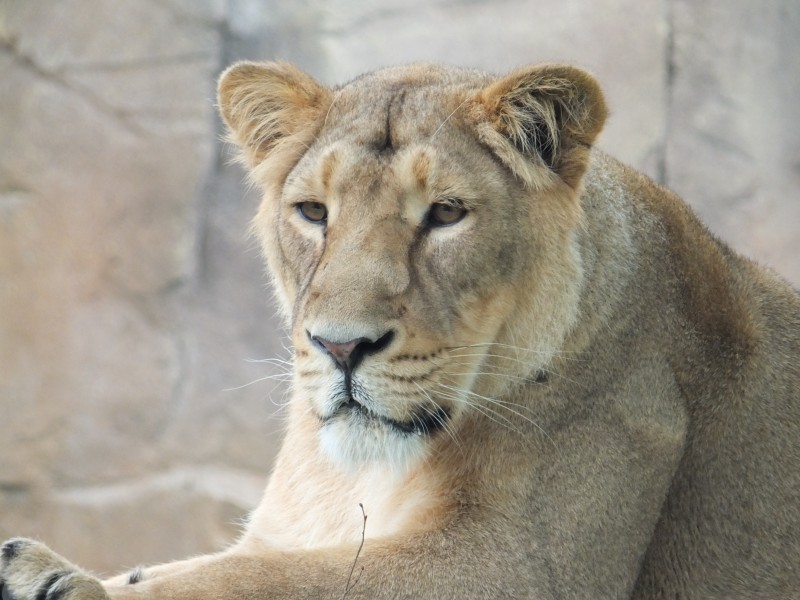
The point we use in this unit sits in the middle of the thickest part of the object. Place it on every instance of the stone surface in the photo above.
(131, 297)
(733, 148)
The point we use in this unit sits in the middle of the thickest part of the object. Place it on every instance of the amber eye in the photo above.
(443, 214)
(313, 211)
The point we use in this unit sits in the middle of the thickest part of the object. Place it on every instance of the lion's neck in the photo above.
(607, 248)
(311, 503)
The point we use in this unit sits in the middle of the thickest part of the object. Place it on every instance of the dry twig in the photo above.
(349, 586)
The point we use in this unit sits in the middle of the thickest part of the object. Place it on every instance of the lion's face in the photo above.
(422, 272)
(392, 301)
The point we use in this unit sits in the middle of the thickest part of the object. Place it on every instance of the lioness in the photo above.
(535, 369)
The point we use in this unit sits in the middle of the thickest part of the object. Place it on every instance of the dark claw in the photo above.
(10, 549)
(45, 591)
(5, 594)
(136, 576)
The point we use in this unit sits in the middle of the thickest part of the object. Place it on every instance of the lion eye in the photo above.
(443, 214)
(315, 212)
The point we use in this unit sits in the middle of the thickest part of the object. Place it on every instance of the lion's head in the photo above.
(419, 224)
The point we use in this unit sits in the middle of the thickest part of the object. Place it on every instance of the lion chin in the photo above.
(357, 438)
(355, 433)
(521, 369)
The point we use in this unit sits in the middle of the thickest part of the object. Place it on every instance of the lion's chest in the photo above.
(324, 510)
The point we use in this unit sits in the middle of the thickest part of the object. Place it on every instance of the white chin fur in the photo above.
(353, 446)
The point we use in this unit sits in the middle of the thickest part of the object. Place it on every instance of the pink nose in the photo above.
(341, 353)
(347, 355)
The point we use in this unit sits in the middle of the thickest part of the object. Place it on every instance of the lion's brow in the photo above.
(393, 106)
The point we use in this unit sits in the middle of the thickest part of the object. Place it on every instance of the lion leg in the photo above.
(31, 570)
(383, 569)
(140, 574)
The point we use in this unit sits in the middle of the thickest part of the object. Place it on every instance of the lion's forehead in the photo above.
(396, 134)
(391, 108)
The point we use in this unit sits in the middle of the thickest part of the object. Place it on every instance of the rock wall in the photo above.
(141, 380)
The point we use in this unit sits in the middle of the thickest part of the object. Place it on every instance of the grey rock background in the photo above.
(130, 295)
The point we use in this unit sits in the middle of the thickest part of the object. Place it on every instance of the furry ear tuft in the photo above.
(550, 114)
(269, 105)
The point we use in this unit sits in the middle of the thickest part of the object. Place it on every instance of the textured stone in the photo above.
(113, 526)
(107, 129)
(734, 137)
(101, 232)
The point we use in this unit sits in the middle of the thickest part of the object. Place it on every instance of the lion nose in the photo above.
(347, 355)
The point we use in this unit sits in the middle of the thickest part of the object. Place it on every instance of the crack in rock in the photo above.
(9, 46)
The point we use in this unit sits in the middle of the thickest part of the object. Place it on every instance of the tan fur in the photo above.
(575, 391)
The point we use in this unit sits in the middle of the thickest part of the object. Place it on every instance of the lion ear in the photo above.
(268, 106)
(548, 114)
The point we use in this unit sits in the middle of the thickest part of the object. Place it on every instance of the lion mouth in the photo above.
(426, 421)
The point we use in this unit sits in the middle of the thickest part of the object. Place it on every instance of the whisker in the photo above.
(545, 370)
(273, 361)
(286, 400)
(445, 425)
(490, 355)
(527, 379)
(284, 377)
(512, 346)
(496, 401)
(532, 353)
(503, 404)
(330, 107)
(499, 375)
(486, 411)
(448, 118)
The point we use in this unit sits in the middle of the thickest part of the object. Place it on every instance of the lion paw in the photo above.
(31, 571)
